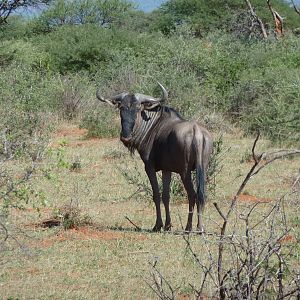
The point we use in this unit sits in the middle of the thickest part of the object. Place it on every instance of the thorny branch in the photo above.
(253, 256)
(160, 282)
(252, 172)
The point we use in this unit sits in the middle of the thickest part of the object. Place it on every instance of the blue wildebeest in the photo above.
(167, 143)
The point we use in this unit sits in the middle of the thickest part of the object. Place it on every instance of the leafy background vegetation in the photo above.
(203, 52)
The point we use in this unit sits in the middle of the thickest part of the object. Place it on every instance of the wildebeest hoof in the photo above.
(168, 227)
(201, 230)
(157, 228)
(188, 229)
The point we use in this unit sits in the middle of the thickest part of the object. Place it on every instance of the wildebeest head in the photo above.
(130, 105)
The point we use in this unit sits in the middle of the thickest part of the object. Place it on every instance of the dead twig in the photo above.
(136, 226)
(138, 252)
(279, 155)
(161, 287)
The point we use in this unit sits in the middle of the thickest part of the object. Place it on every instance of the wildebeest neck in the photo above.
(143, 125)
(146, 123)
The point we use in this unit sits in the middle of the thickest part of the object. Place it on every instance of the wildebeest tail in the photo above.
(200, 186)
(198, 144)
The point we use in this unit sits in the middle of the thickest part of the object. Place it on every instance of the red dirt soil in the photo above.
(70, 132)
(83, 233)
(76, 137)
(288, 239)
(86, 233)
(254, 199)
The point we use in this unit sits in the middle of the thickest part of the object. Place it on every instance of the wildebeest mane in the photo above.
(172, 112)
(167, 111)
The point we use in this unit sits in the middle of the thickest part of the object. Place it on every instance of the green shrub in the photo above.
(101, 123)
(86, 47)
(29, 89)
(215, 79)
(24, 53)
(207, 16)
(267, 94)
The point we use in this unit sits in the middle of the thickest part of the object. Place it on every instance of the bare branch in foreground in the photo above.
(160, 286)
(253, 259)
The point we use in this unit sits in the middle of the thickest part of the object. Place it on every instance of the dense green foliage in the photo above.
(198, 49)
(229, 15)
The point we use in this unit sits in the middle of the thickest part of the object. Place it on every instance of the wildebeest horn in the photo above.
(112, 100)
(165, 93)
(150, 100)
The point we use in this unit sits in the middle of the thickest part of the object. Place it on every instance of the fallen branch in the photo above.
(139, 252)
(136, 226)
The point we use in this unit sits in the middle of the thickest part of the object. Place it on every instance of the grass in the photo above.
(108, 259)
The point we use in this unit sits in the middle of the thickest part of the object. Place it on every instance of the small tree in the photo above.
(23, 140)
(7, 7)
(100, 12)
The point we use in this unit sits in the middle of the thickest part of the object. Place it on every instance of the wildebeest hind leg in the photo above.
(166, 179)
(156, 197)
(200, 226)
(188, 184)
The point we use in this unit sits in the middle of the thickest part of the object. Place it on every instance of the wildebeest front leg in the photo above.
(188, 185)
(156, 196)
(166, 179)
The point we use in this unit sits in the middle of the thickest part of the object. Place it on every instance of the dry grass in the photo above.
(108, 259)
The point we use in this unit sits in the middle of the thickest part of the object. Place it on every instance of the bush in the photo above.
(28, 89)
(273, 104)
(70, 216)
(207, 16)
(24, 53)
(86, 47)
(23, 140)
(216, 79)
(101, 123)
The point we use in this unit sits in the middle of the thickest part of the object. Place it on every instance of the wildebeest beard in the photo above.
(144, 122)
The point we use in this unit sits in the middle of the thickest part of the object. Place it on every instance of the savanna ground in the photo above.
(107, 258)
